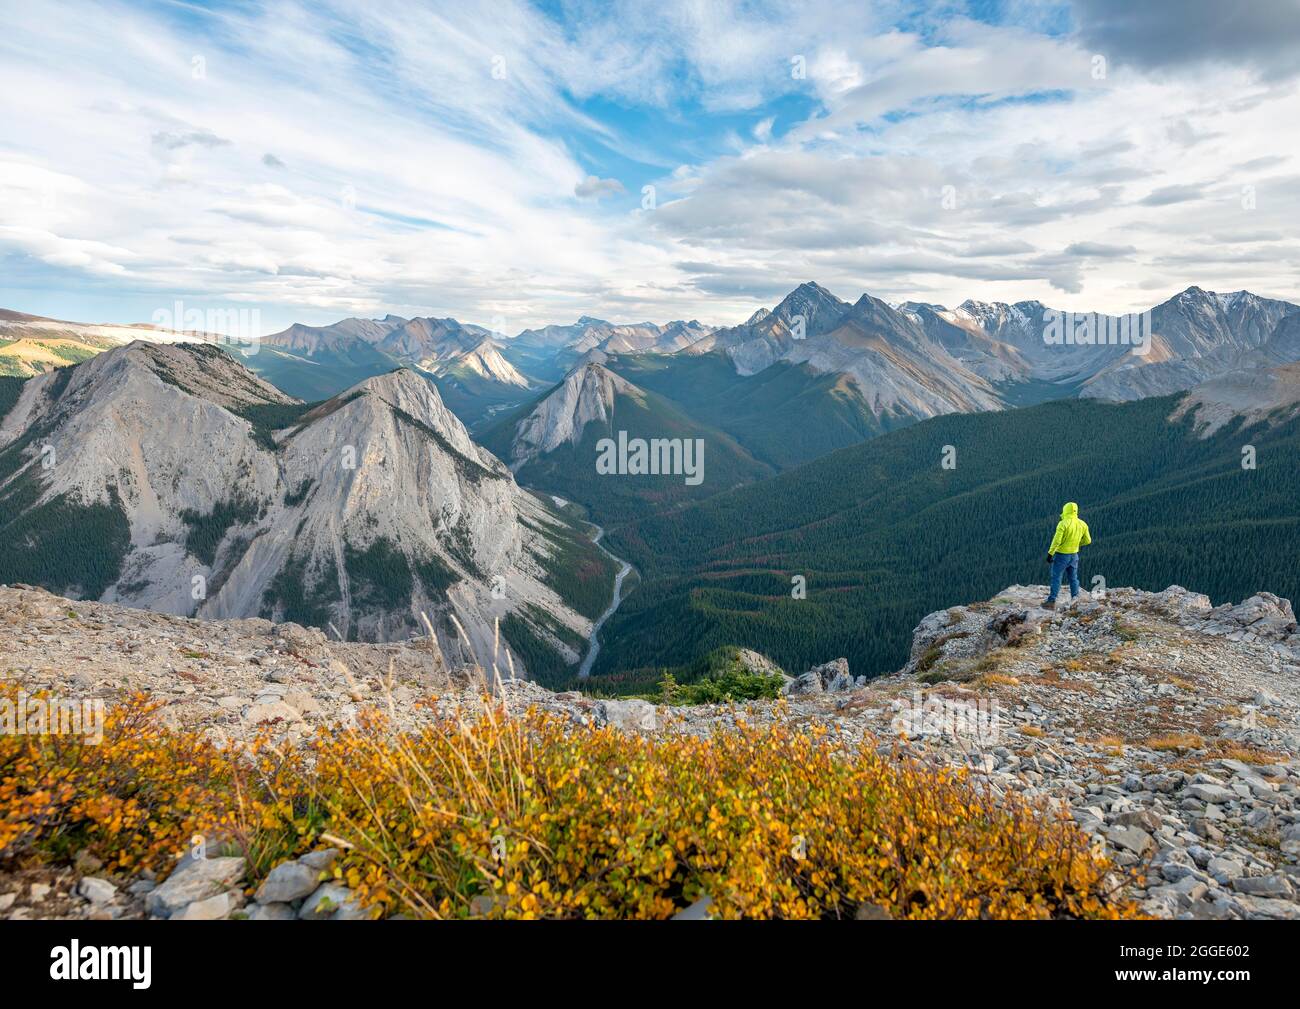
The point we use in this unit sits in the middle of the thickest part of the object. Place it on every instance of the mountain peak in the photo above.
(199, 369)
(587, 394)
(817, 307)
(485, 360)
(402, 377)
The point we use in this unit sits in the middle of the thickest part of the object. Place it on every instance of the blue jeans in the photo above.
(1062, 563)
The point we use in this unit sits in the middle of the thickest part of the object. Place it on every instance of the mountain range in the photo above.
(549, 352)
(361, 475)
(916, 360)
(853, 369)
(815, 374)
(316, 362)
(170, 477)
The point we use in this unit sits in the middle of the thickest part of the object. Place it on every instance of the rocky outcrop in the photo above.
(629, 716)
(1165, 726)
(1262, 617)
(968, 632)
(831, 677)
(756, 663)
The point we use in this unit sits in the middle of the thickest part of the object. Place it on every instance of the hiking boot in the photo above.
(1050, 604)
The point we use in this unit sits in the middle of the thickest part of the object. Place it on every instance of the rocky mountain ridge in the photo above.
(902, 362)
(916, 360)
(590, 333)
(1167, 728)
(225, 498)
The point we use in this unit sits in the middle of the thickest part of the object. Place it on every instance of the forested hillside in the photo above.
(10, 388)
(883, 534)
(785, 415)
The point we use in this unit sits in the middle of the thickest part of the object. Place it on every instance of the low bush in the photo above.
(735, 684)
(538, 817)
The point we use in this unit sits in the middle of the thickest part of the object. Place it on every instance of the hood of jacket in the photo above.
(1070, 511)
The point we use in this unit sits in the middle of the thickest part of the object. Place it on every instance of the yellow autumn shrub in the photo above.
(532, 816)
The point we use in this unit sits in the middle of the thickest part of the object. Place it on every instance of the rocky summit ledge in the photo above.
(1166, 727)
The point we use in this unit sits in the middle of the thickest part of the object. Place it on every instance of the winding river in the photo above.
(624, 567)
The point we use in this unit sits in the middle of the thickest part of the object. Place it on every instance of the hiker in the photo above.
(1063, 554)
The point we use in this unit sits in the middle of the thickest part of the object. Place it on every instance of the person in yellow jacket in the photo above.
(1063, 554)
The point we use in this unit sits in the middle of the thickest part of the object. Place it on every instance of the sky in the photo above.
(515, 164)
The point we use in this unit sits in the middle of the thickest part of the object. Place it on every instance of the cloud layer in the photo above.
(515, 166)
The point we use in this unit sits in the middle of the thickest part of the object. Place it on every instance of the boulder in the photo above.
(287, 882)
(627, 716)
(95, 890)
(303, 642)
(1263, 615)
(1160, 783)
(333, 901)
(808, 683)
(214, 908)
(1276, 886)
(321, 861)
(833, 676)
(195, 880)
(272, 912)
(1133, 839)
(1225, 869)
(1144, 818)
(1216, 794)
(701, 910)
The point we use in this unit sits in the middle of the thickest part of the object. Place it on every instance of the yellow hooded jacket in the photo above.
(1071, 532)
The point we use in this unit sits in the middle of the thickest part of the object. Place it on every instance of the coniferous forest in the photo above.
(882, 533)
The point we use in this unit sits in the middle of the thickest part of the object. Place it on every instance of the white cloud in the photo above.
(594, 187)
(340, 158)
